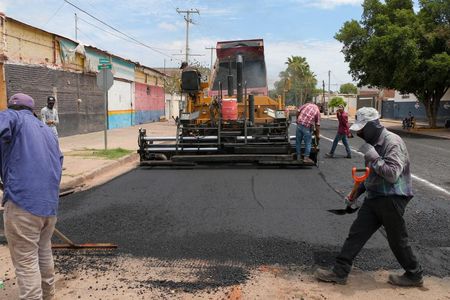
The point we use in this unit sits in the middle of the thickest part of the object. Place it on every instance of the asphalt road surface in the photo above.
(247, 217)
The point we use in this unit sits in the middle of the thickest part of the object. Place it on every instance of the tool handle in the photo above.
(359, 179)
(63, 237)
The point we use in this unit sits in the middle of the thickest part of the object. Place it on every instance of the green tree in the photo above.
(336, 101)
(302, 81)
(347, 88)
(394, 47)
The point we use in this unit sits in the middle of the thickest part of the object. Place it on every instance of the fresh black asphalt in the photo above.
(250, 217)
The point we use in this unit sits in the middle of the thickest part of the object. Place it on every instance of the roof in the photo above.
(137, 64)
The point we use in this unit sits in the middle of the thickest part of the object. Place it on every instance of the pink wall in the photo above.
(148, 101)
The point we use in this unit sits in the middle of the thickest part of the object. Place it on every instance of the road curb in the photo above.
(80, 180)
(416, 133)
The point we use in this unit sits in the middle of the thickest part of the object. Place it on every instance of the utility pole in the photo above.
(212, 53)
(76, 27)
(329, 89)
(323, 92)
(188, 20)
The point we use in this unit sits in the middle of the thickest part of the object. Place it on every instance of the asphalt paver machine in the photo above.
(230, 119)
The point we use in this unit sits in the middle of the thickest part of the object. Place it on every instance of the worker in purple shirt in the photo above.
(31, 163)
(342, 134)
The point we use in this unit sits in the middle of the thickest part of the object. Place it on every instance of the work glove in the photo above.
(370, 154)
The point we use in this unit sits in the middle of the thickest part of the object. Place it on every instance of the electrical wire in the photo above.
(120, 32)
(55, 13)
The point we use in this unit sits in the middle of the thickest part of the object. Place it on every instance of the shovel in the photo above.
(357, 180)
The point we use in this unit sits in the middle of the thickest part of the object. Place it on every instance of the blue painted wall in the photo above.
(399, 110)
(145, 116)
(121, 120)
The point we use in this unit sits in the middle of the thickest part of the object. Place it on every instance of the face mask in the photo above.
(371, 132)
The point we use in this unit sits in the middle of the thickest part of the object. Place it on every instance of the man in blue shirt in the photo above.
(31, 163)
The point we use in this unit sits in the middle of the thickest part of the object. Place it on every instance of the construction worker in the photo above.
(31, 163)
(342, 134)
(388, 190)
(308, 117)
(49, 115)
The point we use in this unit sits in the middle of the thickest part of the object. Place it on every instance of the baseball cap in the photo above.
(51, 98)
(21, 99)
(364, 115)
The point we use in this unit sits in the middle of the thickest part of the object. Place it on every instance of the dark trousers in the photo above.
(386, 211)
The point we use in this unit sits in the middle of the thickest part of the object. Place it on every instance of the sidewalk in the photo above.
(79, 169)
(396, 126)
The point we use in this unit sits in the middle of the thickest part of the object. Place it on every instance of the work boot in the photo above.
(329, 276)
(348, 156)
(329, 155)
(403, 280)
(307, 160)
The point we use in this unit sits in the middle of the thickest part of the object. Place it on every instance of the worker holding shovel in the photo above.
(31, 163)
(388, 190)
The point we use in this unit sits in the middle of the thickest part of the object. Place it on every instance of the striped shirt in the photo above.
(309, 114)
(390, 169)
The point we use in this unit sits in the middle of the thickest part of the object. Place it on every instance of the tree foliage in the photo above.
(348, 88)
(394, 47)
(297, 81)
(336, 101)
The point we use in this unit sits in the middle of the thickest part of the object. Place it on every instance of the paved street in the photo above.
(243, 218)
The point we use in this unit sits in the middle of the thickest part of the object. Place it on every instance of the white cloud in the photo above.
(322, 56)
(167, 26)
(329, 4)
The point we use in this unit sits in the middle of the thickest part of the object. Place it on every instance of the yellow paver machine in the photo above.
(230, 119)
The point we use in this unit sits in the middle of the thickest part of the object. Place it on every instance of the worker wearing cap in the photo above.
(388, 190)
(49, 115)
(308, 117)
(343, 132)
(31, 163)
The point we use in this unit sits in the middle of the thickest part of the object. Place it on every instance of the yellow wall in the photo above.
(29, 45)
(139, 76)
(3, 99)
(147, 76)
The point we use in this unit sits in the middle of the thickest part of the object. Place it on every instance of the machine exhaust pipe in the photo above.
(251, 109)
(239, 77)
(230, 86)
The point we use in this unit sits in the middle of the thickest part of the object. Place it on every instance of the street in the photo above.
(232, 220)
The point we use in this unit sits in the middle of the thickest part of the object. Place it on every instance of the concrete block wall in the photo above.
(39, 82)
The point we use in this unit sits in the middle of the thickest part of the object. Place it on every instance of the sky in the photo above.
(288, 27)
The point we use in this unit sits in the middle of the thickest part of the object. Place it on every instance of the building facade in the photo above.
(41, 64)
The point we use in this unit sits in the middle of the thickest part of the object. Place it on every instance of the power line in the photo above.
(55, 13)
(118, 31)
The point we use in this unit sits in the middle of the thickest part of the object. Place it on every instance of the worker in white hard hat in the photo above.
(388, 190)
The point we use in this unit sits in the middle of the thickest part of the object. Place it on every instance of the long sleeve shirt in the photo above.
(390, 168)
(31, 163)
(343, 123)
(50, 115)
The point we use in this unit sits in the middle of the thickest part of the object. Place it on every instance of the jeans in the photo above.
(344, 139)
(29, 240)
(303, 133)
(387, 211)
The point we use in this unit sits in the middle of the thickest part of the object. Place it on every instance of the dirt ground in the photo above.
(86, 276)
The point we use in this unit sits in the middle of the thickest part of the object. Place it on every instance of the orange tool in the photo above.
(357, 180)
